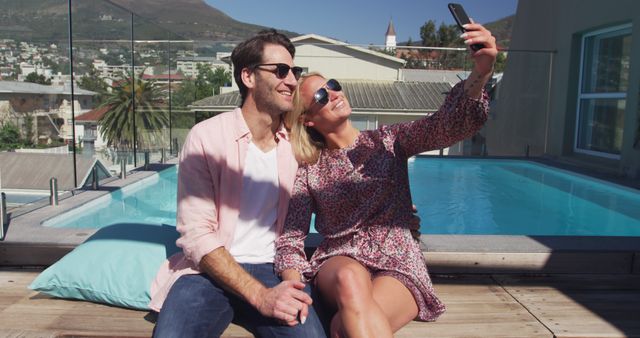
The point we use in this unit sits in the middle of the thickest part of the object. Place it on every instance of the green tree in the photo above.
(428, 33)
(55, 68)
(501, 62)
(185, 95)
(208, 81)
(448, 35)
(39, 79)
(9, 137)
(28, 129)
(93, 82)
(116, 125)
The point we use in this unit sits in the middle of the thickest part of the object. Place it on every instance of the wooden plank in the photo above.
(544, 262)
(572, 281)
(473, 329)
(477, 306)
(9, 333)
(30, 254)
(580, 305)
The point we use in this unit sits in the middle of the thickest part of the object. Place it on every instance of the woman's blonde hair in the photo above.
(306, 142)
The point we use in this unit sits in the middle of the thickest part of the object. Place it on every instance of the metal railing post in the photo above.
(162, 156)
(95, 184)
(53, 191)
(146, 159)
(4, 217)
(123, 169)
(175, 147)
(526, 151)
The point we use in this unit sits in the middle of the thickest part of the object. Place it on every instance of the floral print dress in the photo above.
(360, 195)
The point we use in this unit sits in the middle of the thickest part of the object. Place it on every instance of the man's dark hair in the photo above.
(249, 53)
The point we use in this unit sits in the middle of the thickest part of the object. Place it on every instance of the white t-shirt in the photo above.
(255, 234)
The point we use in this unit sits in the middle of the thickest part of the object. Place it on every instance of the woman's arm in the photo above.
(291, 274)
(291, 260)
(483, 58)
(464, 110)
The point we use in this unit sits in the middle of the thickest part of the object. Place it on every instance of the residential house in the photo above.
(571, 84)
(89, 136)
(336, 59)
(49, 106)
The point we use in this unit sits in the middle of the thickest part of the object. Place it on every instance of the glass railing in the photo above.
(138, 88)
(93, 119)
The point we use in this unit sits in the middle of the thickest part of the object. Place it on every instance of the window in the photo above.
(360, 122)
(604, 79)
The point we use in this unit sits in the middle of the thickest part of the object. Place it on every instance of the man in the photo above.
(235, 177)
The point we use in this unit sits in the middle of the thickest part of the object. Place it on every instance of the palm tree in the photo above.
(117, 125)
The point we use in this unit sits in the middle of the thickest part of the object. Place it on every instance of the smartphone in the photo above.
(462, 18)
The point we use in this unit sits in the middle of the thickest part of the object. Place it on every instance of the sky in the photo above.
(358, 21)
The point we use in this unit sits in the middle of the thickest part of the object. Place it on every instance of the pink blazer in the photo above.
(209, 186)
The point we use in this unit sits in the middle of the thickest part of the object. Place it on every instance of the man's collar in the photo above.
(242, 129)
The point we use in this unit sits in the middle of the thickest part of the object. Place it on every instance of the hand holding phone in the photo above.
(462, 19)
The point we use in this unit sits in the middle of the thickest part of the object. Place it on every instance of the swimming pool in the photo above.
(513, 197)
(453, 196)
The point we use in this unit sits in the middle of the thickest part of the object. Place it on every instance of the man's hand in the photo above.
(284, 302)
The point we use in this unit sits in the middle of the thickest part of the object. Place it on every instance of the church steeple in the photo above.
(390, 30)
(390, 37)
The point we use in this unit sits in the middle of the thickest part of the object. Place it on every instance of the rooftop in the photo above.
(34, 88)
(379, 96)
(26, 170)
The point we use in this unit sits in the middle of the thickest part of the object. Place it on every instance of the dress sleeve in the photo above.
(290, 245)
(459, 117)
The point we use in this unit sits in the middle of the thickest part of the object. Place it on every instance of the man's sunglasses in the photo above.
(281, 70)
(321, 95)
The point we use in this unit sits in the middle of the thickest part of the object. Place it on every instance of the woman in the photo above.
(368, 266)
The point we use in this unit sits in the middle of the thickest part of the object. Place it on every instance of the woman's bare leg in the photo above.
(395, 300)
(346, 284)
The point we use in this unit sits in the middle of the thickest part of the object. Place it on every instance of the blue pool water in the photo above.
(453, 196)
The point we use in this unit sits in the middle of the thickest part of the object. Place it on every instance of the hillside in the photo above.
(502, 29)
(38, 20)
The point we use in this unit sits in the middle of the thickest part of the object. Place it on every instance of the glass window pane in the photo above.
(601, 125)
(359, 122)
(606, 62)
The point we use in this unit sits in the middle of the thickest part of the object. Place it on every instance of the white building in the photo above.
(27, 68)
(48, 105)
(114, 72)
(188, 65)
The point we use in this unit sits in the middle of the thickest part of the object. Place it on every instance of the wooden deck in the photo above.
(478, 306)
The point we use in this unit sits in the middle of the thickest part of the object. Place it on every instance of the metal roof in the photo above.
(33, 170)
(370, 96)
(34, 88)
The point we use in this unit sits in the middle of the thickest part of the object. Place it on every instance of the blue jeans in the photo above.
(197, 307)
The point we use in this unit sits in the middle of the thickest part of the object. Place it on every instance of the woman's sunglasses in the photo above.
(321, 95)
(281, 70)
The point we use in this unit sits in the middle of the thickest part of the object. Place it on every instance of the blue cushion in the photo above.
(114, 266)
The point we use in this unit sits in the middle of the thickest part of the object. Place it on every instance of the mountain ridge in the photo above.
(38, 20)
